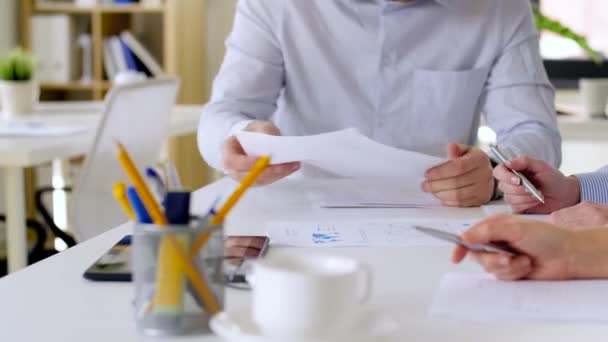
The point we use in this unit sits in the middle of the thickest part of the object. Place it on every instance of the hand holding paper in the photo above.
(237, 163)
(346, 153)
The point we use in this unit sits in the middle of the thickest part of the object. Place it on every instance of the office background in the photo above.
(215, 17)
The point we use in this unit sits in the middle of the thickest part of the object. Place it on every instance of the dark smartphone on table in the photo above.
(114, 265)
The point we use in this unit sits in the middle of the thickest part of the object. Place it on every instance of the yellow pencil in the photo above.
(156, 213)
(171, 256)
(256, 171)
(120, 192)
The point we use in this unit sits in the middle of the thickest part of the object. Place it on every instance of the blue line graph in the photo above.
(325, 235)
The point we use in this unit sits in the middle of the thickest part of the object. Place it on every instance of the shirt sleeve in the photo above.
(519, 101)
(594, 186)
(250, 80)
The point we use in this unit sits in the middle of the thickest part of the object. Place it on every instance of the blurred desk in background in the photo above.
(585, 140)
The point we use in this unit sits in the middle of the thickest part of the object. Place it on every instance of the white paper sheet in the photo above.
(355, 234)
(37, 129)
(346, 153)
(479, 297)
(495, 209)
(351, 193)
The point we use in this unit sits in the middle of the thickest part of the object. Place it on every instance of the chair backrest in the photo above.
(138, 116)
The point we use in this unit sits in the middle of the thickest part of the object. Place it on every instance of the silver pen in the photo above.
(526, 183)
(453, 238)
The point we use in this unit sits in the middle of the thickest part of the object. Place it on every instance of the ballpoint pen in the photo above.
(173, 179)
(453, 238)
(157, 184)
(526, 183)
(138, 206)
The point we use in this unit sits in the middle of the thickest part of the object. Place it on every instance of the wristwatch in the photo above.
(497, 194)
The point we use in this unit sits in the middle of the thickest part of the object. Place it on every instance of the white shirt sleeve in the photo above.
(250, 80)
(519, 100)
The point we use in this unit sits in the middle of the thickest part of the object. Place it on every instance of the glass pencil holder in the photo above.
(178, 277)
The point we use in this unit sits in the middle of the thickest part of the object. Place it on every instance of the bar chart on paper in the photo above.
(355, 234)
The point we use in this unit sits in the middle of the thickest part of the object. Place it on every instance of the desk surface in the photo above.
(50, 301)
(25, 151)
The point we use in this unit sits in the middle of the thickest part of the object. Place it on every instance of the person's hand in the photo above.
(464, 181)
(547, 252)
(585, 214)
(559, 191)
(237, 163)
(239, 247)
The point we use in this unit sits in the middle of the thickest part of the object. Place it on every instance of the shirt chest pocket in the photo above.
(445, 106)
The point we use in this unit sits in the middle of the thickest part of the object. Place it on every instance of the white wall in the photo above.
(220, 14)
(8, 25)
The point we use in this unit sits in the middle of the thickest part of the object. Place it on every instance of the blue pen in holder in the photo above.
(166, 305)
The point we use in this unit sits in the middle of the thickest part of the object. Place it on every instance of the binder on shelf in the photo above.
(54, 44)
(108, 60)
(129, 56)
(142, 54)
(118, 55)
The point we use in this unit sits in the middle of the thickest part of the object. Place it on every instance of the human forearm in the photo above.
(519, 103)
(250, 80)
(213, 130)
(588, 254)
(538, 142)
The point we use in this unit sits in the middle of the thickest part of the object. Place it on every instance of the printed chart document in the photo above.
(346, 153)
(355, 234)
(37, 129)
(479, 297)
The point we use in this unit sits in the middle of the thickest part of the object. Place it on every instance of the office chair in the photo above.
(136, 115)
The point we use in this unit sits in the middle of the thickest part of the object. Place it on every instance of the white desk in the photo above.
(577, 127)
(18, 153)
(50, 301)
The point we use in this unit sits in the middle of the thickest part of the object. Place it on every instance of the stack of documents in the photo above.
(37, 129)
(479, 297)
(355, 233)
(346, 153)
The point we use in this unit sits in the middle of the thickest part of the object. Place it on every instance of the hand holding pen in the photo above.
(558, 190)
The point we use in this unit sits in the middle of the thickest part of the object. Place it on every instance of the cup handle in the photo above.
(250, 277)
(366, 275)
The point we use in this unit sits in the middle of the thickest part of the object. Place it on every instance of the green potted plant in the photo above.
(544, 23)
(18, 90)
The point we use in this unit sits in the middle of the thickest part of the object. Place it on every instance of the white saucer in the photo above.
(371, 325)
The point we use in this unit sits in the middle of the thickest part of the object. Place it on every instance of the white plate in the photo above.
(371, 325)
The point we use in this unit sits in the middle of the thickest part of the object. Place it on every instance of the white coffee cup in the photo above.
(299, 295)
(594, 95)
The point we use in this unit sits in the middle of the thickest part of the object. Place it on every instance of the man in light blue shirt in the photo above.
(575, 201)
(410, 74)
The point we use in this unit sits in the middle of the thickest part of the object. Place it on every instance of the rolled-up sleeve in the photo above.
(250, 79)
(594, 186)
(519, 100)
